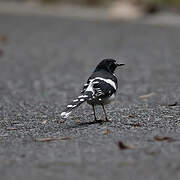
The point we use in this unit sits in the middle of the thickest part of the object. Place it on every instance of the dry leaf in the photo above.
(44, 122)
(3, 38)
(106, 132)
(174, 104)
(122, 146)
(165, 138)
(52, 139)
(137, 125)
(78, 121)
(11, 128)
(146, 95)
(132, 116)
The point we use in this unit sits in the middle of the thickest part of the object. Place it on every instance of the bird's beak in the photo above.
(120, 64)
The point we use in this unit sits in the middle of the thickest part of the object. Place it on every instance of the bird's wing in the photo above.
(103, 88)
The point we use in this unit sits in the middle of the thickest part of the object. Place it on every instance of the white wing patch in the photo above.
(98, 90)
(71, 105)
(109, 81)
(90, 87)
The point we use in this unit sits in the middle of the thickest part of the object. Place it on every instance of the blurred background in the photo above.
(123, 9)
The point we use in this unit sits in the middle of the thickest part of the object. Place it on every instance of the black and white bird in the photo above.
(100, 88)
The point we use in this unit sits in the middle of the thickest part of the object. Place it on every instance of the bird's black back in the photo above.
(103, 74)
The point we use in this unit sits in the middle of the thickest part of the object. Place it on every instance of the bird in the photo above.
(100, 88)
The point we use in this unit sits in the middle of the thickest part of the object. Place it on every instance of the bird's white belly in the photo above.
(109, 99)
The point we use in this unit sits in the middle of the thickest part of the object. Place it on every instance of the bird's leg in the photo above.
(95, 119)
(105, 113)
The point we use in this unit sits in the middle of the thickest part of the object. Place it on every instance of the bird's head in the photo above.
(108, 65)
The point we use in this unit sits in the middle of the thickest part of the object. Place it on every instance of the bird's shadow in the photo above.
(84, 124)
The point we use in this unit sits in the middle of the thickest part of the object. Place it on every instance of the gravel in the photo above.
(44, 64)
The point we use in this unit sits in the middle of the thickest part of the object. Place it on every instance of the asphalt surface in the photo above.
(43, 64)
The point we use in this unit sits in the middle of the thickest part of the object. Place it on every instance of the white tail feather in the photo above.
(75, 103)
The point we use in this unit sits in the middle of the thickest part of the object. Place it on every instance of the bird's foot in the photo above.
(102, 121)
(98, 121)
(107, 120)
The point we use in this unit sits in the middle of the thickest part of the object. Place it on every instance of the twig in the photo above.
(174, 104)
(146, 95)
(122, 146)
(52, 139)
